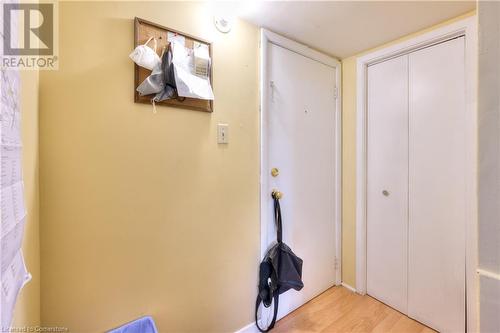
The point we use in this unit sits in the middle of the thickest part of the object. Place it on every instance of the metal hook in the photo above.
(272, 91)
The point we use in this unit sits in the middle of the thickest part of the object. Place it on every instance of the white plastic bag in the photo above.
(145, 56)
(153, 84)
(188, 84)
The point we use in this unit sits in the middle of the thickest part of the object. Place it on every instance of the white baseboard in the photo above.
(489, 285)
(345, 285)
(250, 328)
(492, 275)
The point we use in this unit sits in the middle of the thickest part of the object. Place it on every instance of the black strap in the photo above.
(277, 219)
(275, 313)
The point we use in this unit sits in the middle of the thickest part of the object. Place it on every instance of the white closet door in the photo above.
(436, 266)
(387, 186)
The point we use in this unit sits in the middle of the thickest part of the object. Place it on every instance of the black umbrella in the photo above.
(169, 90)
(280, 270)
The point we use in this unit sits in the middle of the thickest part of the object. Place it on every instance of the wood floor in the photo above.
(340, 310)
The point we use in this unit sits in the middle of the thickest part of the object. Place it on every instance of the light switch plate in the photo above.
(223, 133)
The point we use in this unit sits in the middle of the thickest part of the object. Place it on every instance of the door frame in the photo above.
(467, 28)
(266, 37)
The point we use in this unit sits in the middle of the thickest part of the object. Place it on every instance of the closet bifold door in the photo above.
(436, 237)
(387, 181)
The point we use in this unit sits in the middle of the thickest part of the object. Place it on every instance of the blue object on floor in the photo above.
(142, 325)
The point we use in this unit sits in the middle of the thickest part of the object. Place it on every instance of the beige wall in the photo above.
(144, 213)
(349, 155)
(27, 311)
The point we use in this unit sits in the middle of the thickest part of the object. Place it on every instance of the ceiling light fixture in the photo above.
(223, 24)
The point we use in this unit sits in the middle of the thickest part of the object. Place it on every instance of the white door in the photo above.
(416, 184)
(436, 252)
(387, 182)
(299, 126)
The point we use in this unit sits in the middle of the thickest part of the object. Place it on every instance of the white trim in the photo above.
(466, 27)
(338, 175)
(351, 288)
(271, 37)
(250, 328)
(492, 275)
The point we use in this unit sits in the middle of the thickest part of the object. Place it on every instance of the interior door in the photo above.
(387, 182)
(300, 143)
(436, 286)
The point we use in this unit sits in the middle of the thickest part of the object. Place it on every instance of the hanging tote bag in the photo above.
(280, 271)
(145, 56)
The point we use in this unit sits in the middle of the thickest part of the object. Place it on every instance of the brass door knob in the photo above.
(275, 172)
(276, 194)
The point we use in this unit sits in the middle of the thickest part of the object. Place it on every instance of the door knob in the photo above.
(276, 194)
(385, 192)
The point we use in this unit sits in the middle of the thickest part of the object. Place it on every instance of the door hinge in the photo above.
(336, 263)
(335, 93)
